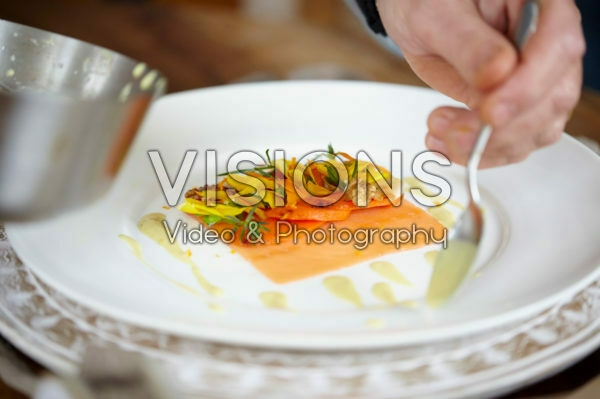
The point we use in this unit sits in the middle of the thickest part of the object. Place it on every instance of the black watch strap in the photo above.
(369, 10)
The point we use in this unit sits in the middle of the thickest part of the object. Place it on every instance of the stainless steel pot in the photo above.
(68, 112)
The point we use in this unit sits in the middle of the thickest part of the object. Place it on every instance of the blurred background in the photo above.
(200, 43)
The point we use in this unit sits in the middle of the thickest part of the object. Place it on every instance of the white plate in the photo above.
(540, 244)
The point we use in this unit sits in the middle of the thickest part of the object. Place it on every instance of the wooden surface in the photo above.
(200, 46)
(205, 45)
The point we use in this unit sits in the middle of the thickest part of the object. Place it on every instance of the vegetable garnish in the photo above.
(307, 215)
(246, 198)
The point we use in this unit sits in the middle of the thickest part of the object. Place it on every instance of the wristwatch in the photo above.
(372, 18)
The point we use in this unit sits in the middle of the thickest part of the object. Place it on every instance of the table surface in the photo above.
(200, 45)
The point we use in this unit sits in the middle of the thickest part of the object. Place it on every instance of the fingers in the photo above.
(551, 51)
(453, 131)
(494, 12)
(455, 32)
(483, 56)
(543, 125)
(444, 78)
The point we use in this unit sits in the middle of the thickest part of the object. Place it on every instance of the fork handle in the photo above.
(527, 27)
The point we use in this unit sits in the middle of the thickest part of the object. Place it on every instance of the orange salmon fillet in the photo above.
(290, 261)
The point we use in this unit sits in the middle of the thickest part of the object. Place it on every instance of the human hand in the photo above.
(462, 49)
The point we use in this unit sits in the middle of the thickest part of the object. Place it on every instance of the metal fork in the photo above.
(453, 263)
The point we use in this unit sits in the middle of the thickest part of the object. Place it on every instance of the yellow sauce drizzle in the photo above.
(343, 288)
(389, 272)
(136, 250)
(383, 292)
(273, 299)
(376, 323)
(431, 256)
(216, 308)
(409, 304)
(452, 266)
(456, 204)
(151, 225)
(413, 182)
(443, 215)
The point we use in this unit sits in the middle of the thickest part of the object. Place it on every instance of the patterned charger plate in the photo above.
(55, 331)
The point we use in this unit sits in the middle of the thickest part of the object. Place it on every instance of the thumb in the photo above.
(483, 56)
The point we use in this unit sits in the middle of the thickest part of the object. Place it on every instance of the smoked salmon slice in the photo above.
(294, 259)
